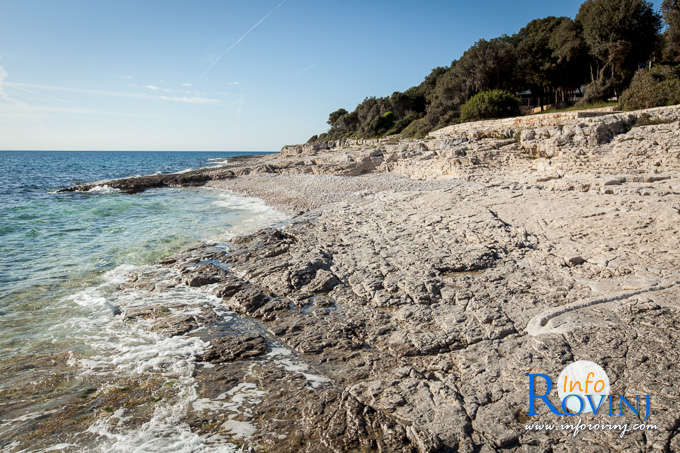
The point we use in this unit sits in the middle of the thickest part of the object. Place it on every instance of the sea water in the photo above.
(62, 257)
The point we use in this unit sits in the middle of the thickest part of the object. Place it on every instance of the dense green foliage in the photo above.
(547, 62)
(621, 35)
(652, 88)
(490, 104)
(671, 14)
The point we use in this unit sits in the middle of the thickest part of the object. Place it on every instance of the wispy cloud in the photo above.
(187, 84)
(22, 109)
(305, 69)
(152, 87)
(189, 99)
(241, 38)
(14, 105)
(119, 94)
(233, 84)
(3, 77)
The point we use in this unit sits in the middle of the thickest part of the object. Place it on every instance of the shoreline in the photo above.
(299, 193)
(411, 275)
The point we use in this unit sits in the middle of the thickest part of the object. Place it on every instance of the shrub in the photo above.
(402, 124)
(490, 104)
(652, 88)
(417, 129)
(383, 123)
(596, 91)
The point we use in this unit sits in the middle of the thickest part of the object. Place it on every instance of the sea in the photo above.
(62, 258)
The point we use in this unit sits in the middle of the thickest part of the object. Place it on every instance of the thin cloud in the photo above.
(187, 84)
(233, 84)
(189, 100)
(28, 110)
(15, 107)
(3, 77)
(243, 36)
(305, 69)
(152, 87)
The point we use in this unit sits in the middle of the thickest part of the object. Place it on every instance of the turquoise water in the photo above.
(60, 253)
(51, 244)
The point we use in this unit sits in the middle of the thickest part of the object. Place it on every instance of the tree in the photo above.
(571, 52)
(445, 98)
(487, 65)
(430, 81)
(490, 104)
(607, 43)
(537, 66)
(408, 102)
(671, 14)
(551, 56)
(333, 117)
(622, 35)
(368, 113)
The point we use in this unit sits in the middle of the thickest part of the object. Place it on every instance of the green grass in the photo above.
(596, 105)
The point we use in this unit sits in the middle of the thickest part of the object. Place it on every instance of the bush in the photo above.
(383, 123)
(596, 91)
(417, 129)
(490, 104)
(402, 124)
(652, 88)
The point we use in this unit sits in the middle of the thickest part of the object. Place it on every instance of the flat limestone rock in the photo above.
(228, 349)
(419, 282)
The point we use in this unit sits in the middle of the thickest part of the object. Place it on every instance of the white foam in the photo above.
(146, 353)
(264, 215)
(164, 432)
(103, 188)
(239, 429)
(57, 447)
(284, 358)
(130, 348)
(239, 401)
(241, 203)
(119, 274)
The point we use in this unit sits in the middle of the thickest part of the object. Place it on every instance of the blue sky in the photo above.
(221, 75)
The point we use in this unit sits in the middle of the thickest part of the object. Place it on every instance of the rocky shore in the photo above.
(418, 282)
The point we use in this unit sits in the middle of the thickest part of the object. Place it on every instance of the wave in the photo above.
(132, 349)
(105, 188)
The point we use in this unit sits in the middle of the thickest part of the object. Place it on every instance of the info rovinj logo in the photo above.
(583, 387)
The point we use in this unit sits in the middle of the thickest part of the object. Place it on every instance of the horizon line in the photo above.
(140, 150)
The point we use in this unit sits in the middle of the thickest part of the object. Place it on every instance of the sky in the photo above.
(221, 75)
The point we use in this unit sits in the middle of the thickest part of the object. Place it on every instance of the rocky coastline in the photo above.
(419, 281)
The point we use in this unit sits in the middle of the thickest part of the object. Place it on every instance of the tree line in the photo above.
(602, 48)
